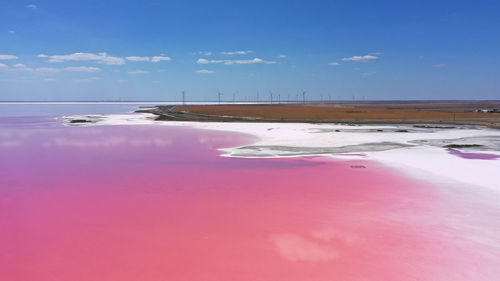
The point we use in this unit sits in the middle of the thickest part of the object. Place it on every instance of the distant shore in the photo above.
(442, 112)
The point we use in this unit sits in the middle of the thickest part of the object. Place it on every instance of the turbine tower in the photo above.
(219, 94)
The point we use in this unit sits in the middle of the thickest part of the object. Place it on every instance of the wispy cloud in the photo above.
(87, 80)
(334, 63)
(135, 58)
(12, 32)
(42, 56)
(3, 66)
(49, 79)
(83, 69)
(100, 57)
(205, 53)
(440, 65)
(366, 74)
(160, 58)
(22, 67)
(31, 6)
(255, 60)
(237, 52)
(205, 61)
(228, 62)
(139, 71)
(205, 71)
(122, 81)
(281, 56)
(8, 57)
(361, 58)
(46, 69)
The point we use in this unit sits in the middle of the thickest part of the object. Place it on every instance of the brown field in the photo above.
(375, 112)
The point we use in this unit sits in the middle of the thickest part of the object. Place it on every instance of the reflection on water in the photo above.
(159, 203)
(60, 109)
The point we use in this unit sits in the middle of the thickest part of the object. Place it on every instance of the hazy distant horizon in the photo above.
(243, 101)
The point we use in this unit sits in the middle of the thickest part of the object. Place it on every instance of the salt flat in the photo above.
(418, 151)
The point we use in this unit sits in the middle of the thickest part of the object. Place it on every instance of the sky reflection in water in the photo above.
(159, 203)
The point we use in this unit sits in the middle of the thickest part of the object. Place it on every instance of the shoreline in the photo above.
(422, 152)
(453, 113)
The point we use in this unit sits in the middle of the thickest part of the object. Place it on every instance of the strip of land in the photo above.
(445, 112)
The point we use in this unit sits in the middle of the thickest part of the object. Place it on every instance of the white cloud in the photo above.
(42, 56)
(207, 53)
(135, 58)
(205, 71)
(281, 56)
(3, 66)
(47, 69)
(255, 60)
(8, 57)
(113, 60)
(334, 63)
(83, 69)
(22, 67)
(202, 61)
(160, 58)
(237, 52)
(12, 32)
(361, 58)
(139, 71)
(31, 6)
(440, 65)
(228, 62)
(100, 57)
(49, 79)
(377, 53)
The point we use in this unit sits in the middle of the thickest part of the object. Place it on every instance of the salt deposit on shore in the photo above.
(417, 150)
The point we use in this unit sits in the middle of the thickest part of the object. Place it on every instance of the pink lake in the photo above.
(160, 203)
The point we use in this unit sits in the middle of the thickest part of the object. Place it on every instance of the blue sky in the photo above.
(152, 50)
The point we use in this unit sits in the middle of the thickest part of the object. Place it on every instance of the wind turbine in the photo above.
(183, 97)
(271, 96)
(219, 94)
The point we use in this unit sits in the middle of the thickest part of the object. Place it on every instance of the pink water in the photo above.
(159, 203)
